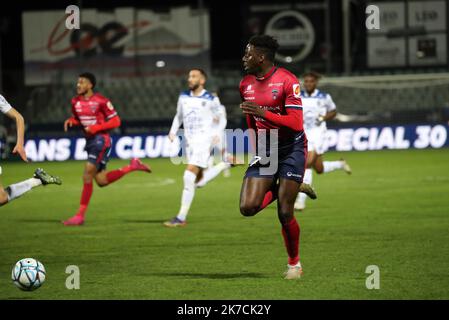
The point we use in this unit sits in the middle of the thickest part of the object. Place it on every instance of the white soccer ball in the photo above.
(28, 274)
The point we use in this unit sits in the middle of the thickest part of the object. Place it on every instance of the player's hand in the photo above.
(18, 149)
(215, 139)
(93, 129)
(319, 120)
(249, 107)
(171, 137)
(68, 124)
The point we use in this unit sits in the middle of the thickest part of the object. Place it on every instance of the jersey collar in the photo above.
(200, 95)
(314, 93)
(268, 74)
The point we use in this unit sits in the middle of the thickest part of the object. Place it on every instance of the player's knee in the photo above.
(285, 217)
(249, 209)
(3, 197)
(101, 183)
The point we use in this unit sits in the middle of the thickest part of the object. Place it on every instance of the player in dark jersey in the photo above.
(96, 115)
(272, 105)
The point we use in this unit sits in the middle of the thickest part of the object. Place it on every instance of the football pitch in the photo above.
(392, 212)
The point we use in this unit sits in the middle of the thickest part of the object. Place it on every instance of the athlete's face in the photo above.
(310, 83)
(195, 80)
(252, 60)
(83, 85)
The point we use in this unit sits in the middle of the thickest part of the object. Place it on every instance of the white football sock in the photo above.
(301, 198)
(187, 194)
(211, 173)
(18, 189)
(332, 166)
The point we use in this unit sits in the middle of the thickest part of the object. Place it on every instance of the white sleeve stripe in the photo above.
(112, 115)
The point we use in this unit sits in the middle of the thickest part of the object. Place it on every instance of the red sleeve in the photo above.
(293, 119)
(293, 106)
(292, 92)
(107, 109)
(74, 118)
(113, 123)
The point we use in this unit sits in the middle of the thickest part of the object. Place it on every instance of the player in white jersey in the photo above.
(318, 107)
(218, 144)
(40, 176)
(196, 110)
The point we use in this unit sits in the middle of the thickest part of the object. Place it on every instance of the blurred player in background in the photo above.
(219, 144)
(40, 176)
(272, 104)
(97, 116)
(318, 108)
(197, 110)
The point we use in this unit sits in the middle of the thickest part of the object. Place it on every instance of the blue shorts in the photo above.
(98, 151)
(291, 163)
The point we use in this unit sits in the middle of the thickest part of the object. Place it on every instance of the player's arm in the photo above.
(292, 120)
(20, 124)
(177, 121)
(112, 119)
(110, 124)
(331, 109)
(73, 121)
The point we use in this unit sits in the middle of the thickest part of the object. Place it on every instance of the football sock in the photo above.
(301, 198)
(332, 166)
(16, 190)
(187, 194)
(85, 198)
(290, 232)
(211, 173)
(114, 175)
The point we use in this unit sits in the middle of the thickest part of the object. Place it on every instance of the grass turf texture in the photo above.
(391, 212)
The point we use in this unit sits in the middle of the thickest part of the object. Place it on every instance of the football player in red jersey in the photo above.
(96, 115)
(272, 105)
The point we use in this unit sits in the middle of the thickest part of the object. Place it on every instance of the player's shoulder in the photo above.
(322, 94)
(208, 95)
(284, 73)
(3, 100)
(246, 80)
(99, 97)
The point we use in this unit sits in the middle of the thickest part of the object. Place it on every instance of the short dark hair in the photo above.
(203, 73)
(312, 74)
(266, 43)
(89, 76)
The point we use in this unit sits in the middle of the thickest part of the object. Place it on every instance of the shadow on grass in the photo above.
(251, 275)
(56, 221)
(145, 221)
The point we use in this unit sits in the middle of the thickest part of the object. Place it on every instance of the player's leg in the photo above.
(104, 178)
(329, 166)
(300, 202)
(256, 193)
(190, 176)
(90, 170)
(288, 190)
(212, 172)
(16, 190)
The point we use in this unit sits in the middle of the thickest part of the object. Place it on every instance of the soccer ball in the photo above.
(28, 274)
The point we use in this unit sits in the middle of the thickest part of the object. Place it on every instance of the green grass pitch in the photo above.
(393, 212)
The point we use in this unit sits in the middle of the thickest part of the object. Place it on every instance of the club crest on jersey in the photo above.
(275, 93)
(296, 90)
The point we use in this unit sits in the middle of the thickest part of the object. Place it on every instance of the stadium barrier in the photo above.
(360, 138)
